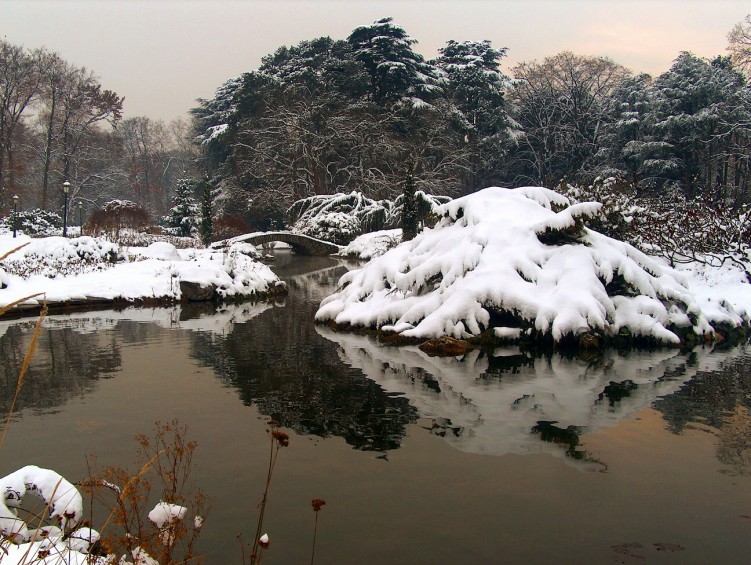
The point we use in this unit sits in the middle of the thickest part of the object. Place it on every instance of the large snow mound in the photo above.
(520, 259)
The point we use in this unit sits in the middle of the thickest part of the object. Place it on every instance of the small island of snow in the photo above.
(510, 263)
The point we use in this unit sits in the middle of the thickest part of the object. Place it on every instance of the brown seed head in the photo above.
(280, 437)
(317, 503)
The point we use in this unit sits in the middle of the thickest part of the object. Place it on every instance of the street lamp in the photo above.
(15, 214)
(66, 189)
(80, 217)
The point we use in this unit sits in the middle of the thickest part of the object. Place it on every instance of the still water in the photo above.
(492, 458)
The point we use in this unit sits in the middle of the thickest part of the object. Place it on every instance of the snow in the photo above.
(374, 244)
(493, 253)
(65, 270)
(64, 501)
(68, 543)
(164, 514)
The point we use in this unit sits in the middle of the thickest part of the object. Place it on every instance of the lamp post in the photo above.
(15, 214)
(66, 189)
(80, 218)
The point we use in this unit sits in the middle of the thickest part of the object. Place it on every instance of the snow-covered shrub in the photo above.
(340, 218)
(116, 215)
(427, 204)
(35, 222)
(63, 539)
(336, 217)
(680, 229)
(165, 460)
(336, 227)
(518, 262)
(55, 257)
(373, 244)
(136, 238)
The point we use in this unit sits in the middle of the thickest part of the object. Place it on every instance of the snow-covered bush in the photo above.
(514, 263)
(340, 218)
(35, 222)
(57, 535)
(56, 257)
(680, 229)
(64, 540)
(373, 244)
(336, 227)
(165, 461)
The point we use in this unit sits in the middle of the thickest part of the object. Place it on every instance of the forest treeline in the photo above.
(336, 115)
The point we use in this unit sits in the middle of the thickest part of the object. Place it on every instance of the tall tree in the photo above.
(397, 72)
(739, 43)
(20, 84)
(475, 86)
(558, 105)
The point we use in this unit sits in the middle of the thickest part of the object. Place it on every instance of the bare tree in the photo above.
(20, 83)
(559, 106)
(739, 43)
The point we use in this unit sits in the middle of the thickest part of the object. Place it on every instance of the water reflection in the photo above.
(279, 364)
(76, 350)
(717, 400)
(507, 402)
(67, 363)
(325, 384)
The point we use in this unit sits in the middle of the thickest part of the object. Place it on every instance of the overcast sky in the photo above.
(163, 54)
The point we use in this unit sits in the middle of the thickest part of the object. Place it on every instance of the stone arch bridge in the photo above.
(302, 244)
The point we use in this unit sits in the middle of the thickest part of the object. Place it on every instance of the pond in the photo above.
(492, 458)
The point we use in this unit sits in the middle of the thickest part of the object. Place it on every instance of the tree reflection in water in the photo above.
(717, 400)
(311, 379)
(68, 362)
(279, 364)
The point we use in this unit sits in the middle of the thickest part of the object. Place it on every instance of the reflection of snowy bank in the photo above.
(490, 404)
(211, 319)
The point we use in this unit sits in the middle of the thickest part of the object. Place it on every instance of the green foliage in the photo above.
(35, 222)
(183, 218)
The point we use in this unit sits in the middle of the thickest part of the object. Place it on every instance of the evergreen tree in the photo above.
(475, 86)
(397, 72)
(182, 219)
(696, 117)
(207, 226)
(409, 210)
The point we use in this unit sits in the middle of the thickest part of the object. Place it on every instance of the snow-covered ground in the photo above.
(517, 260)
(79, 269)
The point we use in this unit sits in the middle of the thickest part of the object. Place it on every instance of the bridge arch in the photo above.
(302, 244)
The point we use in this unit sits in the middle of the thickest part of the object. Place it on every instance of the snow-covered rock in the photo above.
(519, 259)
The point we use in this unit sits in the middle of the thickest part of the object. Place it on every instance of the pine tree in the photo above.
(409, 211)
(397, 72)
(182, 219)
(206, 221)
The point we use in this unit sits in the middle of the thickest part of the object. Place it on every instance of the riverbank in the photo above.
(85, 272)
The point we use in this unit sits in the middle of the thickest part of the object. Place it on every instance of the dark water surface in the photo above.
(498, 458)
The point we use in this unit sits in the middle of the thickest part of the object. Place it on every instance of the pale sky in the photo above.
(163, 54)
